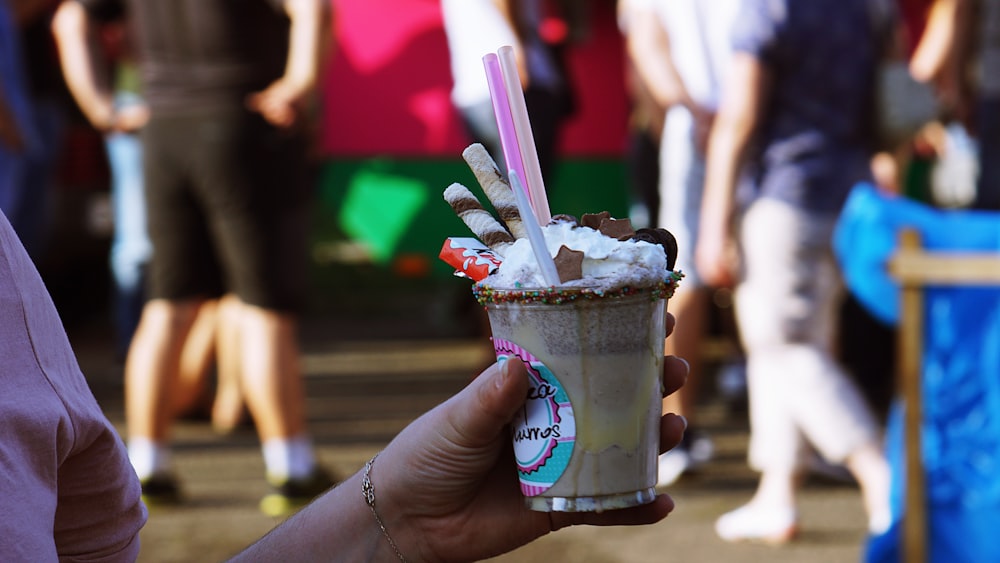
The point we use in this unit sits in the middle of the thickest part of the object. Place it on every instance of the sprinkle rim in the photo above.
(487, 295)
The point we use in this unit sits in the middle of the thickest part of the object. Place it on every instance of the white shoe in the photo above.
(672, 465)
(880, 522)
(772, 526)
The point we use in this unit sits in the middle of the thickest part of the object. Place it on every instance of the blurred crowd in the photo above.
(750, 123)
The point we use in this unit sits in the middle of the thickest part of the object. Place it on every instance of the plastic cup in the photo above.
(587, 438)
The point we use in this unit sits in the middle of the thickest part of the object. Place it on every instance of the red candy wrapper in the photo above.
(470, 257)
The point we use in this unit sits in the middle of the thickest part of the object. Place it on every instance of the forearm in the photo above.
(936, 48)
(725, 153)
(308, 20)
(741, 111)
(72, 31)
(742, 108)
(339, 526)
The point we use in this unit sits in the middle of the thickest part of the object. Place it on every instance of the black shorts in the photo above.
(228, 212)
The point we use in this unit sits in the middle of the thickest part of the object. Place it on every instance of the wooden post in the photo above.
(909, 381)
(915, 269)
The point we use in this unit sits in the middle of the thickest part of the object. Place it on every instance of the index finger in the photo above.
(675, 372)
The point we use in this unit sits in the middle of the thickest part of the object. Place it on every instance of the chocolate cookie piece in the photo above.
(616, 228)
(663, 238)
(593, 220)
(569, 264)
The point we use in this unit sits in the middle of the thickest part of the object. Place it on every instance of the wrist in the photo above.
(103, 118)
(387, 518)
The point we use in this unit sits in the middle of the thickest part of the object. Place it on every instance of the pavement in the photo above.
(365, 382)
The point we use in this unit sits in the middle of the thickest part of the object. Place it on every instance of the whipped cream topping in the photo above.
(608, 263)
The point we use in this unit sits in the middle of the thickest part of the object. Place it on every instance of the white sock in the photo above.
(148, 457)
(289, 458)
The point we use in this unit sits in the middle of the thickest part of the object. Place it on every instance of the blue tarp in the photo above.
(961, 371)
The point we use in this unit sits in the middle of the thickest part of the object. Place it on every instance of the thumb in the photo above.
(489, 403)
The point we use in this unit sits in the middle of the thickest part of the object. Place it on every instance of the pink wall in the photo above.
(386, 90)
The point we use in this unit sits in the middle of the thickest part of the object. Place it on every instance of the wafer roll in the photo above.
(496, 188)
(482, 224)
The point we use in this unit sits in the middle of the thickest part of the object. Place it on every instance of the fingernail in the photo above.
(684, 420)
(504, 374)
(686, 365)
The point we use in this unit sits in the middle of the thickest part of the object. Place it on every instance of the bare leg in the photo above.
(272, 378)
(197, 357)
(151, 368)
(690, 308)
(777, 489)
(227, 411)
(870, 468)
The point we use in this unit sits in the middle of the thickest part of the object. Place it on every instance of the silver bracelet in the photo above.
(368, 490)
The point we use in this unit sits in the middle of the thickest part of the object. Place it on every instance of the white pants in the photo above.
(682, 181)
(787, 305)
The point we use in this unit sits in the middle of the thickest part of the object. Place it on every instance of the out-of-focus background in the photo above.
(389, 330)
(388, 142)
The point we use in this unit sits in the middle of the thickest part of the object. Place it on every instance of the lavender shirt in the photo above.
(68, 489)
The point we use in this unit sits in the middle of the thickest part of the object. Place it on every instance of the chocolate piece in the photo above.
(593, 220)
(663, 238)
(616, 228)
(569, 264)
(563, 218)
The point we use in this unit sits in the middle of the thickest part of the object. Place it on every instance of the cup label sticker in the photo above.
(545, 428)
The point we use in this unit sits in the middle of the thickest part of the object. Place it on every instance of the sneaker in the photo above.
(292, 494)
(700, 447)
(160, 490)
(773, 526)
(695, 450)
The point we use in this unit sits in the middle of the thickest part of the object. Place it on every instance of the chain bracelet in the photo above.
(368, 490)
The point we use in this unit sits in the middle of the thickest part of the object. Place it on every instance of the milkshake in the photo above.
(587, 437)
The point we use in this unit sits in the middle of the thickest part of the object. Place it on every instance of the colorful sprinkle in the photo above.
(555, 296)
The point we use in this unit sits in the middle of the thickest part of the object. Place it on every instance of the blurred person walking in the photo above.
(227, 207)
(476, 27)
(681, 51)
(796, 119)
(96, 58)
